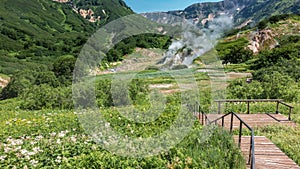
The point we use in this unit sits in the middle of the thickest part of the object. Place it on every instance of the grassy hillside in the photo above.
(35, 32)
(275, 64)
(263, 9)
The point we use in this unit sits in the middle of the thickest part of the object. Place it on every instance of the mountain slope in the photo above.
(241, 10)
(38, 31)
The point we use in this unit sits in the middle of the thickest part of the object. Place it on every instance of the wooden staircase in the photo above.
(267, 155)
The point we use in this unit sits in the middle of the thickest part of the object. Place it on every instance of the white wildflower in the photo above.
(17, 148)
(73, 138)
(31, 153)
(24, 151)
(39, 137)
(34, 162)
(2, 158)
(58, 141)
(94, 147)
(7, 149)
(58, 159)
(33, 142)
(53, 134)
(63, 133)
(16, 142)
(37, 149)
(60, 135)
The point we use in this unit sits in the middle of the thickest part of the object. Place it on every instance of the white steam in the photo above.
(194, 42)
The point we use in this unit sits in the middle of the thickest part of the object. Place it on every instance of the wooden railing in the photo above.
(248, 101)
(206, 121)
(251, 159)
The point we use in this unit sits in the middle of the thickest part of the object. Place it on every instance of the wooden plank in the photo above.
(267, 154)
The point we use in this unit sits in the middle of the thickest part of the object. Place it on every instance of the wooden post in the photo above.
(219, 107)
(248, 107)
(277, 107)
(240, 134)
(290, 113)
(223, 121)
(231, 123)
(250, 152)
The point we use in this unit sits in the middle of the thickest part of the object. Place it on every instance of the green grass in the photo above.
(4, 76)
(55, 139)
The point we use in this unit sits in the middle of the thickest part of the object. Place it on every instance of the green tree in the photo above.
(236, 54)
(47, 77)
(240, 89)
(19, 82)
(279, 86)
(63, 68)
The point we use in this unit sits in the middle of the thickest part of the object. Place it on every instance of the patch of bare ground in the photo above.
(3, 82)
(235, 75)
(138, 61)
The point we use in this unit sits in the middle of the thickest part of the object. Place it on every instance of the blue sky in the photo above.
(140, 6)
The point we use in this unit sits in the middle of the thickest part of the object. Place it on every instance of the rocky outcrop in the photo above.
(264, 39)
(3, 82)
(86, 14)
(204, 12)
(89, 15)
(243, 12)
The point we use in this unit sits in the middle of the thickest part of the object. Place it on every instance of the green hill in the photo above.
(242, 11)
(38, 31)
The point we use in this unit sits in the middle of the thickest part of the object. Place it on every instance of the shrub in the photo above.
(47, 97)
(63, 68)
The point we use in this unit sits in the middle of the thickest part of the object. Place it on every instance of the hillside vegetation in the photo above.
(36, 32)
(40, 41)
(275, 65)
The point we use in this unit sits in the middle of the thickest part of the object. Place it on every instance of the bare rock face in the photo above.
(86, 14)
(3, 82)
(89, 14)
(263, 39)
(204, 12)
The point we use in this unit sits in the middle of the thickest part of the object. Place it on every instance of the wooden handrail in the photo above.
(248, 101)
(286, 104)
(251, 159)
